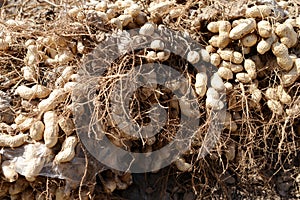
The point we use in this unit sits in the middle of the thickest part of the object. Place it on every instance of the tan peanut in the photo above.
(230, 55)
(215, 59)
(275, 106)
(271, 93)
(65, 76)
(37, 91)
(289, 78)
(182, 165)
(260, 11)
(284, 97)
(235, 68)
(67, 152)
(224, 29)
(12, 141)
(282, 56)
(56, 96)
(37, 130)
(9, 171)
(213, 27)
(287, 34)
(243, 77)
(242, 29)
(225, 73)
(201, 83)
(51, 128)
(250, 68)
(249, 40)
(264, 28)
(216, 82)
(67, 125)
(193, 57)
(265, 44)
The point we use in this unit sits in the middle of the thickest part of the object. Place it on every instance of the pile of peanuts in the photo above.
(230, 50)
(257, 33)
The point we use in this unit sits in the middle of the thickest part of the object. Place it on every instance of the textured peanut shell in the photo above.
(285, 62)
(12, 141)
(287, 34)
(193, 57)
(225, 73)
(67, 125)
(51, 129)
(235, 68)
(67, 152)
(249, 40)
(37, 130)
(289, 78)
(271, 93)
(243, 77)
(215, 59)
(242, 29)
(213, 27)
(224, 29)
(264, 28)
(250, 68)
(147, 29)
(275, 106)
(230, 55)
(9, 172)
(256, 95)
(284, 97)
(260, 11)
(182, 165)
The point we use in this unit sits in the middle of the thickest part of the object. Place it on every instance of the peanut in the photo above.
(37, 130)
(157, 45)
(230, 55)
(213, 27)
(224, 29)
(284, 97)
(271, 93)
(233, 67)
(67, 125)
(212, 100)
(147, 29)
(243, 77)
(275, 106)
(29, 73)
(216, 82)
(215, 59)
(56, 96)
(201, 83)
(282, 56)
(250, 68)
(260, 11)
(51, 129)
(287, 34)
(13, 141)
(37, 91)
(264, 29)
(182, 165)
(9, 171)
(249, 40)
(265, 44)
(225, 73)
(65, 76)
(242, 29)
(289, 78)
(67, 152)
(193, 57)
